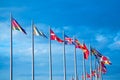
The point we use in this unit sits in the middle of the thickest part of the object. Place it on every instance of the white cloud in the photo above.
(115, 45)
(101, 38)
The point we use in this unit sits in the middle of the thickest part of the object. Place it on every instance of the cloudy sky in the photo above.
(95, 22)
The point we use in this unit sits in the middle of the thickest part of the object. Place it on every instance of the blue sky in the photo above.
(95, 22)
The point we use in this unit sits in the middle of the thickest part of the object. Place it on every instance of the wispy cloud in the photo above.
(115, 45)
(101, 38)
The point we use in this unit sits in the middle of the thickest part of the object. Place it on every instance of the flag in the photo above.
(93, 73)
(98, 75)
(86, 51)
(16, 26)
(69, 40)
(96, 53)
(88, 75)
(105, 60)
(78, 44)
(38, 33)
(54, 37)
(83, 47)
(103, 68)
(100, 57)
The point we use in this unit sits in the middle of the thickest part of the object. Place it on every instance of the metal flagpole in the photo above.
(75, 62)
(11, 49)
(32, 24)
(82, 76)
(84, 70)
(50, 55)
(64, 56)
(91, 78)
(96, 70)
(100, 70)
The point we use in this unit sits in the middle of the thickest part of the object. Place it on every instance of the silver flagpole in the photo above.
(84, 70)
(64, 56)
(32, 24)
(50, 56)
(100, 70)
(91, 78)
(75, 62)
(96, 70)
(11, 49)
(82, 76)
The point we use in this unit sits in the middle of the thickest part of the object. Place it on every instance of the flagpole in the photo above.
(75, 62)
(64, 56)
(11, 49)
(100, 70)
(32, 24)
(91, 78)
(96, 70)
(82, 76)
(50, 55)
(84, 69)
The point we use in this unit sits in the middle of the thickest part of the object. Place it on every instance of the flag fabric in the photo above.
(86, 51)
(78, 44)
(16, 26)
(93, 73)
(54, 37)
(38, 33)
(83, 47)
(87, 75)
(105, 60)
(100, 57)
(96, 53)
(103, 68)
(68, 40)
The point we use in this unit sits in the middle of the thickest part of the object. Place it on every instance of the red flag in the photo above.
(88, 75)
(78, 44)
(103, 68)
(16, 26)
(105, 60)
(83, 47)
(93, 73)
(86, 51)
(54, 37)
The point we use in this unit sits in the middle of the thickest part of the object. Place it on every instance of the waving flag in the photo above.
(96, 53)
(100, 57)
(38, 33)
(16, 26)
(88, 75)
(93, 73)
(69, 40)
(103, 68)
(86, 51)
(54, 37)
(78, 44)
(105, 60)
(83, 47)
